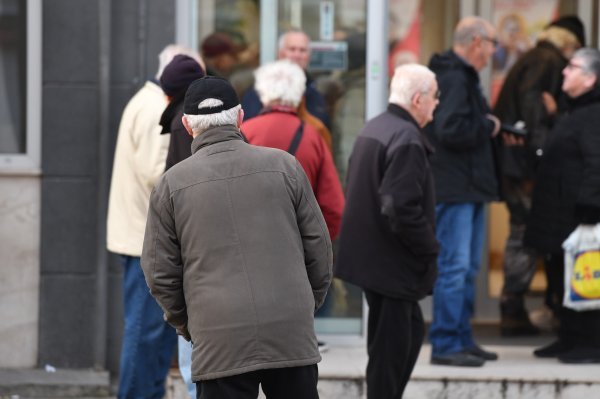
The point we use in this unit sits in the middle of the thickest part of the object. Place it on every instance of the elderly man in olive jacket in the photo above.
(237, 254)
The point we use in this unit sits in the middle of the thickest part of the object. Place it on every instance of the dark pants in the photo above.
(519, 261)
(394, 337)
(284, 383)
(579, 329)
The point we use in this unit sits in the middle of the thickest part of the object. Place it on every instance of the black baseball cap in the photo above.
(209, 87)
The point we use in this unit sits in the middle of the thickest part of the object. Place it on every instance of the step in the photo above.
(61, 383)
(516, 375)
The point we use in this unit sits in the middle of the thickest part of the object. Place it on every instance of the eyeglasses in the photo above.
(437, 94)
(570, 65)
(491, 40)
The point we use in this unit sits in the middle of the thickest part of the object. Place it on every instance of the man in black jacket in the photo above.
(465, 179)
(534, 77)
(387, 243)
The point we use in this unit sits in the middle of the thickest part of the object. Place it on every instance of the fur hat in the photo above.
(573, 24)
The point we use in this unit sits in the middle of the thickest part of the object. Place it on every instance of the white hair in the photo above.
(170, 51)
(201, 123)
(281, 82)
(408, 80)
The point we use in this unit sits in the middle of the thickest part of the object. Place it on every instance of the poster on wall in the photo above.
(517, 23)
(404, 33)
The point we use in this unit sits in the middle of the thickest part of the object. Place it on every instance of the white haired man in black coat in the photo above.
(387, 243)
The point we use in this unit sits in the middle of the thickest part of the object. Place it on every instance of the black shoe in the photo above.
(478, 351)
(459, 359)
(517, 328)
(555, 349)
(580, 355)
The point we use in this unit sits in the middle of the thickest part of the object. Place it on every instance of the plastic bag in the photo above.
(582, 268)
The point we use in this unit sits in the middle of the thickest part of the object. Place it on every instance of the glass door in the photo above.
(337, 30)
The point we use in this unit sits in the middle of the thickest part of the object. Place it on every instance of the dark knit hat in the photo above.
(216, 44)
(209, 87)
(179, 73)
(573, 24)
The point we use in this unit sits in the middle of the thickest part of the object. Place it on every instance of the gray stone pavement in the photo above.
(516, 375)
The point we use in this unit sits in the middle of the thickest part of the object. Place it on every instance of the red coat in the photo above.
(276, 129)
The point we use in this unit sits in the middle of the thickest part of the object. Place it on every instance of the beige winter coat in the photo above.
(139, 161)
(237, 253)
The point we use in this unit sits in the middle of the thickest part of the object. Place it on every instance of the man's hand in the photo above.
(496, 124)
(510, 140)
(549, 103)
(183, 331)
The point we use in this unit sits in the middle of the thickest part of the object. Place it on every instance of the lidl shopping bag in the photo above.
(582, 268)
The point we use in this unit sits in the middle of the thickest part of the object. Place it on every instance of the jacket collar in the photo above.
(216, 135)
(279, 108)
(590, 97)
(397, 110)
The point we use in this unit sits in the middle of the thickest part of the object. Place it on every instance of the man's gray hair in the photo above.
(201, 123)
(170, 51)
(408, 80)
(591, 61)
(281, 41)
(469, 28)
(280, 83)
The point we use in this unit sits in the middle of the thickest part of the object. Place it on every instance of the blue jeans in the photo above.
(460, 233)
(148, 341)
(185, 365)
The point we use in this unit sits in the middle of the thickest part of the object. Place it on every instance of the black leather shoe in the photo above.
(580, 355)
(478, 351)
(555, 349)
(459, 359)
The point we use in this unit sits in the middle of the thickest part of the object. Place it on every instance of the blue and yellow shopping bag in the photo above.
(582, 268)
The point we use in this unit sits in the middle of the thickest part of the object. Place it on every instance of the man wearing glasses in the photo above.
(462, 133)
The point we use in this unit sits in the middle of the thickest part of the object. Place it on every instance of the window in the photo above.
(20, 34)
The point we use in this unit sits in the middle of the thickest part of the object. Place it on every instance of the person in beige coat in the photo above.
(148, 342)
(237, 254)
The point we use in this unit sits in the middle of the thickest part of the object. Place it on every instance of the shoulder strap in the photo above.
(297, 138)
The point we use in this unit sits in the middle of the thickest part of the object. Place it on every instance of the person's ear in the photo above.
(416, 99)
(186, 125)
(592, 80)
(240, 118)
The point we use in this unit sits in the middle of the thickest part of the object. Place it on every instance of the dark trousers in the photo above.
(283, 383)
(580, 329)
(394, 337)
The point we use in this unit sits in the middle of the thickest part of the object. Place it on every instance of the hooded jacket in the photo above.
(237, 254)
(464, 164)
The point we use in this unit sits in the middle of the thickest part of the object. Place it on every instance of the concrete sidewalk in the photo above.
(516, 374)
